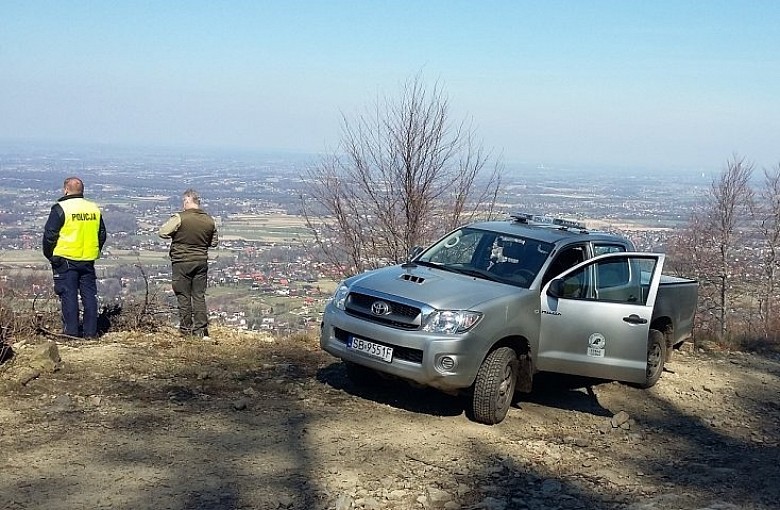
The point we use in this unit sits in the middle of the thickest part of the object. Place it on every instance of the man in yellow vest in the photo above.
(192, 232)
(73, 237)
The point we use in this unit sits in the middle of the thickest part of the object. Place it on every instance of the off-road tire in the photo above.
(494, 387)
(656, 356)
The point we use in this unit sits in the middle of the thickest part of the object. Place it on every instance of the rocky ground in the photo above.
(151, 421)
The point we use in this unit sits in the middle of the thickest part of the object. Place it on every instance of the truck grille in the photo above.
(404, 353)
(397, 315)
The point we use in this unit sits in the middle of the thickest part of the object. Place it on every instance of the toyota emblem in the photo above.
(380, 308)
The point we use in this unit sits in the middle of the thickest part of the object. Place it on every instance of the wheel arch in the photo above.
(662, 324)
(666, 327)
(522, 348)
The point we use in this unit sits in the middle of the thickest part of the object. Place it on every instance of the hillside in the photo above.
(137, 421)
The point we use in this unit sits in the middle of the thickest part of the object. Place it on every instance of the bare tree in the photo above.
(403, 174)
(709, 247)
(692, 255)
(730, 200)
(766, 212)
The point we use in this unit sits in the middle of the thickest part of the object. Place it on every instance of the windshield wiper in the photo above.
(472, 271)
(469, 271)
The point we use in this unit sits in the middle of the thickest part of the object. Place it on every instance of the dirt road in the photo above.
(136, 421)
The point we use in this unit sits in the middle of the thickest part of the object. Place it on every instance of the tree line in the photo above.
(731, 245)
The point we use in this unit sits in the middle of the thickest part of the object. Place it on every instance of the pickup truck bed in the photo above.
(674, 309)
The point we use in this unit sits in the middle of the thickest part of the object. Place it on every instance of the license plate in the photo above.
(372, 349)
(596, 352)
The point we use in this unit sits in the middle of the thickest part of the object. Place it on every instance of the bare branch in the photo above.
(402, 175)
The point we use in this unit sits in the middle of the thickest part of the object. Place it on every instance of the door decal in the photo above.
(597, 345)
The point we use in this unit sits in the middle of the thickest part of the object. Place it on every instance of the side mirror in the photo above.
(556, 288)
(415, 251)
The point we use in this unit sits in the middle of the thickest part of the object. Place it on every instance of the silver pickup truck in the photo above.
(490, 304)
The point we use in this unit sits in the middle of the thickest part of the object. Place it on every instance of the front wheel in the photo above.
(656, 356)
(494, 387)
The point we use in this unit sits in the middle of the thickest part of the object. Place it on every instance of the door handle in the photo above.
(634, 319)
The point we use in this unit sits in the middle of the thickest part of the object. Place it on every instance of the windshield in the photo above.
(490, 255)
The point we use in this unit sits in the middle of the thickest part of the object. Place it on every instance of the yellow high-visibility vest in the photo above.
(79, 234)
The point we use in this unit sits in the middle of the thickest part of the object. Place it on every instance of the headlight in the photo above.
(451, 321)
(340, 296)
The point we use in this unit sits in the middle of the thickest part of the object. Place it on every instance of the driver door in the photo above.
(595, 317)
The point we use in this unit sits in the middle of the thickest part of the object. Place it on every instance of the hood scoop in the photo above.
(412, 278)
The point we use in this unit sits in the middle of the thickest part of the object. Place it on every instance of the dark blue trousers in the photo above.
(74, 279)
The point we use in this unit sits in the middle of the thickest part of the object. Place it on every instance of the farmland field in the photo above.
(282, 229)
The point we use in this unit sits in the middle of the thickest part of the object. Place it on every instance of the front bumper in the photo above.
(417, 356)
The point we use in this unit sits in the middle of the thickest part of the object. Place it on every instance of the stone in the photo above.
(344, 502)
(438, 496)
(491, 503)
(46, 358)
(62, 403)
(371, 504)
(241, 404)
(27, 375)
(551, 486)
(397, 494)
(619, 419)
(285, 501)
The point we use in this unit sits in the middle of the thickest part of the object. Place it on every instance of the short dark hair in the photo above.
(74, 185)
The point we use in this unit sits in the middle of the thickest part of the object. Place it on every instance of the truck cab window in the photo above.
(613, 280)
(603, 249)
(569, 257)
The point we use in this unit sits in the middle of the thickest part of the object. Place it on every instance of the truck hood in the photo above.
(443, 290)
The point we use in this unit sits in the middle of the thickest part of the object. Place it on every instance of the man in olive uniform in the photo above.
(192, 232)
(73, 238)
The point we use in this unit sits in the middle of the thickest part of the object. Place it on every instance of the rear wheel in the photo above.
(656, 356)
(494, 387)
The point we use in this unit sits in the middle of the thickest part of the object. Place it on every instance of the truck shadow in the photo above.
(549, 390)
(393, 392)
(569, 393)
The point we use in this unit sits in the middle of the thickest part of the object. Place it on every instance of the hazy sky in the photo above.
(627, 83)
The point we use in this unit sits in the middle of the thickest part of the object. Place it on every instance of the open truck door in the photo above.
(595, 317)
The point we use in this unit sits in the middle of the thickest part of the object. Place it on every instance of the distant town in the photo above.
(265, 275)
